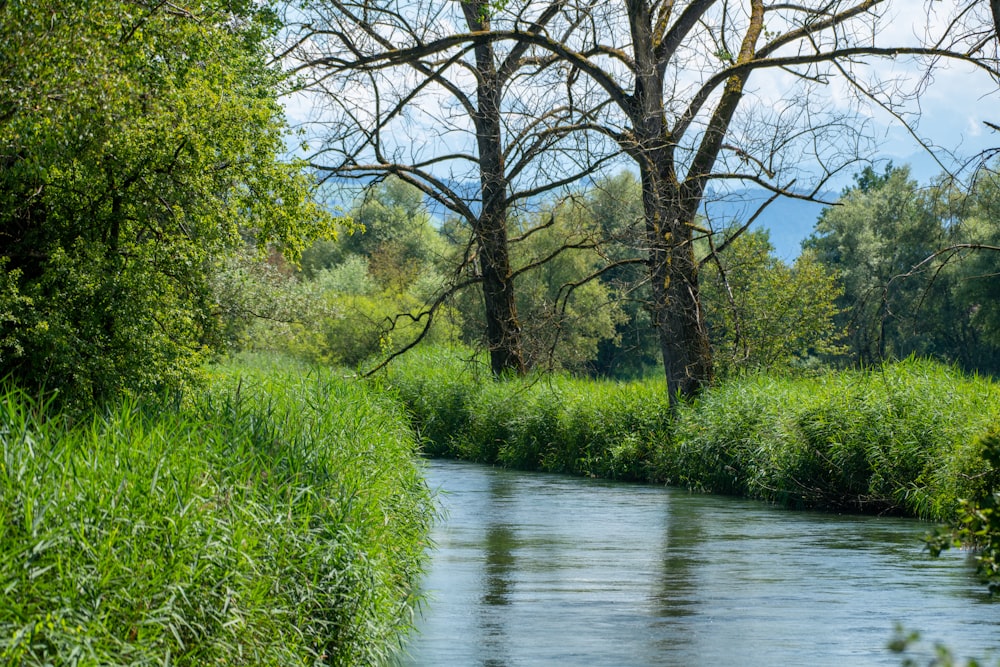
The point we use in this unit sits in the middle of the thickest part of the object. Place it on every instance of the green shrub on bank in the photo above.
(548, 423)
(900, 438)
(273, 519)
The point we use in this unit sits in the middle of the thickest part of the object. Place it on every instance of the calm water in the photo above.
(545, 570)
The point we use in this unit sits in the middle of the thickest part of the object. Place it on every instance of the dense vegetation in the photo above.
(139, 147)
(366, 296)
(154, 508)
(909, 438)
(277, 517)
(917, 265)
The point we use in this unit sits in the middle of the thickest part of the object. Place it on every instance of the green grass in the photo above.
(902, 438)
(547, 423)
(277, 517)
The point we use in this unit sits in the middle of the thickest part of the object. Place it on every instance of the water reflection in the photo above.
(677, 590)
(546, 570)
(498, 545)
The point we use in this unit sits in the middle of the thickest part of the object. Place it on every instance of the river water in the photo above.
(533, 569)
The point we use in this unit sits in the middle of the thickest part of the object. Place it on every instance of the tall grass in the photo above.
(275, 518)
(548, 423)
(902, 438)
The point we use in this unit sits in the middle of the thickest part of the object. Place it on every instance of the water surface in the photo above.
(534, 569)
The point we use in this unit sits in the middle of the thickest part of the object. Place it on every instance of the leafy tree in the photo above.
(974, 273)
(881, 228)
(765, 313)
(138, 147)
(363, 293)
(391, 227)
(568, 311)
(915, 269)
(615, 203)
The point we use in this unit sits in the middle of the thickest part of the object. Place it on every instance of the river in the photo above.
(534, 569)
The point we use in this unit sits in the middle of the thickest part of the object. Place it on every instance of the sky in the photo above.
(952, 109)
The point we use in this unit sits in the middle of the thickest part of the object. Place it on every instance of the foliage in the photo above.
(254, 525)
(615, 204)
(903, 291)
(762, 313)
(879, 231)
(567, 311)
(905, 643)
(978, 519)
(366, 294)
(138, 146)
(248, 290)
(367, 289)
(974, 276)
(393, 230)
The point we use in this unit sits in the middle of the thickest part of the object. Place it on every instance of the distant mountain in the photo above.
(788, 221)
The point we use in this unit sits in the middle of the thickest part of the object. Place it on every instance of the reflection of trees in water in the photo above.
(499, 563)
(499, 544)
(682, 536)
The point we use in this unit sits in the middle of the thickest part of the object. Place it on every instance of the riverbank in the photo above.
(275, 517)
(279, 515)
(903, 438)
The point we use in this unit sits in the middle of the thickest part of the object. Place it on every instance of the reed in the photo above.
(899, 438)
(273, 518)
(552, 423)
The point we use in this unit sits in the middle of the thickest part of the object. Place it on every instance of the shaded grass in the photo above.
(274, 518)
(902, 438)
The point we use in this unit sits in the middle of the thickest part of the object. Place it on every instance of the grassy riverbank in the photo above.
(273, 518)
(902, 438)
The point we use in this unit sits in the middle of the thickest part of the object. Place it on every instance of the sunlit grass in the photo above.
(899, 438)
(276, 518)
(548, 423)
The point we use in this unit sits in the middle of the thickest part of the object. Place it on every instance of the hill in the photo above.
(788, 221)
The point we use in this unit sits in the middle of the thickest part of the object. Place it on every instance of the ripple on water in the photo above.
(546, 570)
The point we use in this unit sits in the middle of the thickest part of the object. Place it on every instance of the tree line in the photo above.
(895, 268)
(145, 177)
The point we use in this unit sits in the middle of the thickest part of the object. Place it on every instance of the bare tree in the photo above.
(477, 124)
(679, 75)
(708, 92)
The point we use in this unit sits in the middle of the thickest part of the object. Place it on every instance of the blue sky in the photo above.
(952, 110)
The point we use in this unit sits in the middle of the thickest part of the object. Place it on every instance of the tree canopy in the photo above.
(917, 265)
(139, 144)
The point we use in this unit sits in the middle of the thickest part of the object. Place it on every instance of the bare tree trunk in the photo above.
(503, 331)
(995, 7)
(669, 211)
(676, 305)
